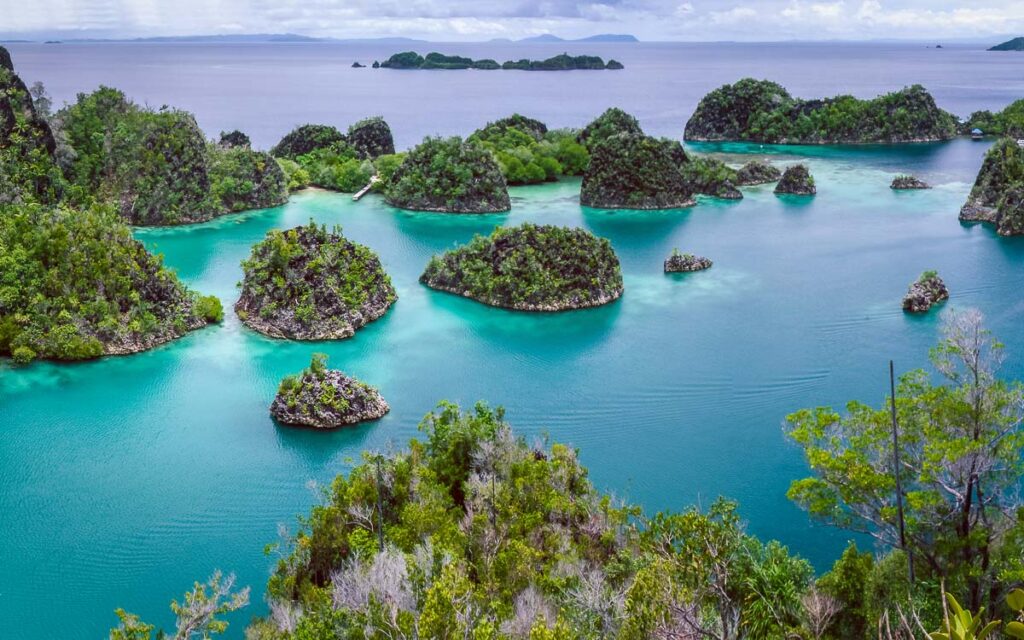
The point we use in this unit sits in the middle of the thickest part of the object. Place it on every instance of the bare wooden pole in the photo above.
(896, 473)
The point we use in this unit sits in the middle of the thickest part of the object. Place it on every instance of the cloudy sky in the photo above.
(699, 20)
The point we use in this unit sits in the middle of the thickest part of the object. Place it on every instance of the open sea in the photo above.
(122, 480)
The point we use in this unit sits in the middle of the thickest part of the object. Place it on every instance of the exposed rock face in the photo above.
(308, 284)
(530, 268)
(797, 180)
(371, 138)
(634, 171)
(27, 145)
(928, 290)
(763, 111)
(684, 262)
(234, 139)
(901, 183)
(612, 122)
(306, 138)
(325, 399)
(451, 176)
(1002, 173)
(757, 172)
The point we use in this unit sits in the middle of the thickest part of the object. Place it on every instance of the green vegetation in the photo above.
(321, 156)
(198, 615)
(612, 122)
(997, 196)
(711, 177)
(28, 171)
(324, 398)
(562, 62)
(74, 284)
(634, 171)
(530, 268)
(306, 138)
(763, 111)
(231, 139)
(157, 167)
(449, 175)
(961, 446)
(309, 284)
(473, 533)
(1008, 122)
(528, 153)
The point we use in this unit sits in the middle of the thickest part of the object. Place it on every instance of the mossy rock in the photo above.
(686, 262)
(757, 172)
(310, 284)
(634, 171)
(907, 183)
(928, 290)
(306, 138)
(796, 180)
(325, 399)
(448, 175)
(530, 268)
(763, 111)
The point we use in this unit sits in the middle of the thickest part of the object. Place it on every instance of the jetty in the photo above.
(362, 192)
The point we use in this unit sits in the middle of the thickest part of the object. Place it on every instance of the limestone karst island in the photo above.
(470, 320)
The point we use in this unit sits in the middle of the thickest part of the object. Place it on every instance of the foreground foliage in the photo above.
(528, 153)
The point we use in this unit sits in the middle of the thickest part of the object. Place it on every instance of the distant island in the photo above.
(434, 60)
(601, 37)
(1017, 44)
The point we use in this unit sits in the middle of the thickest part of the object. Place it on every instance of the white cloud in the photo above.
(475, 19)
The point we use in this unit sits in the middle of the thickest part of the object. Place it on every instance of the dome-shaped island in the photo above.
(530, 268)
(310, 284)
(449, 176)
(325, 398)
(796, 181)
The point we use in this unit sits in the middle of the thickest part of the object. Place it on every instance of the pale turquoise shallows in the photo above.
(122, 480)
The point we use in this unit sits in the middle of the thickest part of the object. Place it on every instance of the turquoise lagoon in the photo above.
(126, 478)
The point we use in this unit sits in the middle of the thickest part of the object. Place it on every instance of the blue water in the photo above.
(124, 479)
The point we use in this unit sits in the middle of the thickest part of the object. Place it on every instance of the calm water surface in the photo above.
(122, 480)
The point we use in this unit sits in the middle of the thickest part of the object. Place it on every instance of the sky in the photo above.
(458, 20)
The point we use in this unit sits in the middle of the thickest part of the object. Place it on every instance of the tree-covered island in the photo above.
(763, 111)
(434, 60)
(309, 283)
(530, 268)
(997, 196)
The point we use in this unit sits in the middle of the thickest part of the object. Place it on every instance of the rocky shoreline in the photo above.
(324, 398)
(686, 262)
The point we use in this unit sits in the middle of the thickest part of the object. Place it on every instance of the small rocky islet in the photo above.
(796, 180)
(757, 172)
(309, 283)
(685, 262)
(325, 398)
(997, 196)
(530, 268)
(907, 183)
(926, 291)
